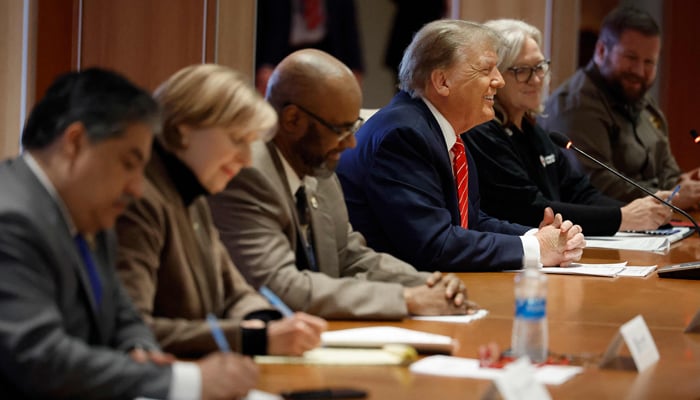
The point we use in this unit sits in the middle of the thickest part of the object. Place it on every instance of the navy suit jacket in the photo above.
(401, 194)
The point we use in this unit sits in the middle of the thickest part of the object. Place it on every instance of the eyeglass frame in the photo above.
(343, 131)
(539, 66)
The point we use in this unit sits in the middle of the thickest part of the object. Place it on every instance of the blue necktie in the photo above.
(305, 235)
(90, 268)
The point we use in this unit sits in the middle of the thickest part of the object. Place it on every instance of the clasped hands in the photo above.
(440, 295)
(561, 242)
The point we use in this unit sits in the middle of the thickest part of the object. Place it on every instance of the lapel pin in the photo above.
(314, 202)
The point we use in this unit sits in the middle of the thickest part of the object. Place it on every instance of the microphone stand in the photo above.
(568, 145)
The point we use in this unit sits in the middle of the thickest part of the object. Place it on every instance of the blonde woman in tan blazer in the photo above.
(171, 259)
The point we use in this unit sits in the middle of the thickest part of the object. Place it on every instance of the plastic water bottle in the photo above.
(530, 326)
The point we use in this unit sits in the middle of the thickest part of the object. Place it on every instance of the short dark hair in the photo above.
(104, 101)
(626, 18)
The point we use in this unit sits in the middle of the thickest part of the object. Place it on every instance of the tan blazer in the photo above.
(257, 218)
(176, 270)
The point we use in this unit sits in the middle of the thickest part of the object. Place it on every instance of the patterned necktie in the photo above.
(90, 268)
(459, 167)
(305, 224)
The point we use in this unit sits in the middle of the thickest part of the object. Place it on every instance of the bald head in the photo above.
(311, 77)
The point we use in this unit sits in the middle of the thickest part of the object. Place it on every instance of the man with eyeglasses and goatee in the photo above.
(284, 220)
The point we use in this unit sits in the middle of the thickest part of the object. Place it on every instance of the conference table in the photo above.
(584, 314)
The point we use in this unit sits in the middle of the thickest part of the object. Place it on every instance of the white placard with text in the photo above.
(639, 341)
(518, 382)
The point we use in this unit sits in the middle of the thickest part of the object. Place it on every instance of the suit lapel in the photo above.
(272, 168)
(59, 238)
(188, 222)
(322, 225)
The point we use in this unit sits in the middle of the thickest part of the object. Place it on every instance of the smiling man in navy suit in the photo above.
(409, 185)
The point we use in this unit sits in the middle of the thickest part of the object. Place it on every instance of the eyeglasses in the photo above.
(343, 131)
(524, 74)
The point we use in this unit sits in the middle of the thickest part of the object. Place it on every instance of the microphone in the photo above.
(562, 141)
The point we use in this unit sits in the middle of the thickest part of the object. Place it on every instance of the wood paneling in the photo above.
(236, 35)
(145, 40)
(680, 78)
(564, 26)
(57, 24)
(11, 43)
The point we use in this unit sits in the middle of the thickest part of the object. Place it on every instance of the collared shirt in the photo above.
(531, 246)
(292, 178)
(187, 378)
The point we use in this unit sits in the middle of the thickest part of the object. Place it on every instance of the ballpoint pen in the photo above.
(674, 193)
(218, 334)
(276, 301)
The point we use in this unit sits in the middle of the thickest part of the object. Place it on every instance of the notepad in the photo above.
(378, 336)
(387, 355)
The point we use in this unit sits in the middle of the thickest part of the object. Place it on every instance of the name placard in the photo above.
(518, 382)
(694, 325)
(635, 334)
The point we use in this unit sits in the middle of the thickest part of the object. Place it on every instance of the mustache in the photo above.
(633, 77)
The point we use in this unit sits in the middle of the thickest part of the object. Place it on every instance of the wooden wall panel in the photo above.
(12, 15)
(57, 22)
(564, 26)
(680, 79)
(145, 40)
(236, 35)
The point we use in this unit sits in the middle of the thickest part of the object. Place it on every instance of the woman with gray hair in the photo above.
(521, 172)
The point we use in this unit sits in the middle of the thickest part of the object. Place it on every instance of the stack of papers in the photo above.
(638, 241)
(387, 355)
(609, 270)
(378, 336)
(469, 368)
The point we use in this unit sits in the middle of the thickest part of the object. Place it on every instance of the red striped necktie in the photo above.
(459, 167)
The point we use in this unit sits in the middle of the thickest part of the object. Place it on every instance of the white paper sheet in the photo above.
(469, 368)
(378, 336)
(459, 319)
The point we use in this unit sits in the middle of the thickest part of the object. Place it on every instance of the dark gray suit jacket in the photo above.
(53, 343)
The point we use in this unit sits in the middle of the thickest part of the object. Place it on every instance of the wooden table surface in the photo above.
(584, 314)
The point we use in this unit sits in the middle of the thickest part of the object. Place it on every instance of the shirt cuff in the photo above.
(531, 249)
(186, 383)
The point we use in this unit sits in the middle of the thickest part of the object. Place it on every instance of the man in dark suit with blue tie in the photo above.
(67, 329)
(409, 185)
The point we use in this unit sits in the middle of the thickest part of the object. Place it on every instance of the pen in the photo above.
(674, 193)
(218, 334)
(325, 394)
(276, 301)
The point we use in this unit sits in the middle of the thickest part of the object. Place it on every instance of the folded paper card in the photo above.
(378, 336)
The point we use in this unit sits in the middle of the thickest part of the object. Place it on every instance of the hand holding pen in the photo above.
(674, 193)
(226, 374)
(295, 333)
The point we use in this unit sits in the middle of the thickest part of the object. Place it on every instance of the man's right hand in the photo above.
(227, 376)
(645, 213)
